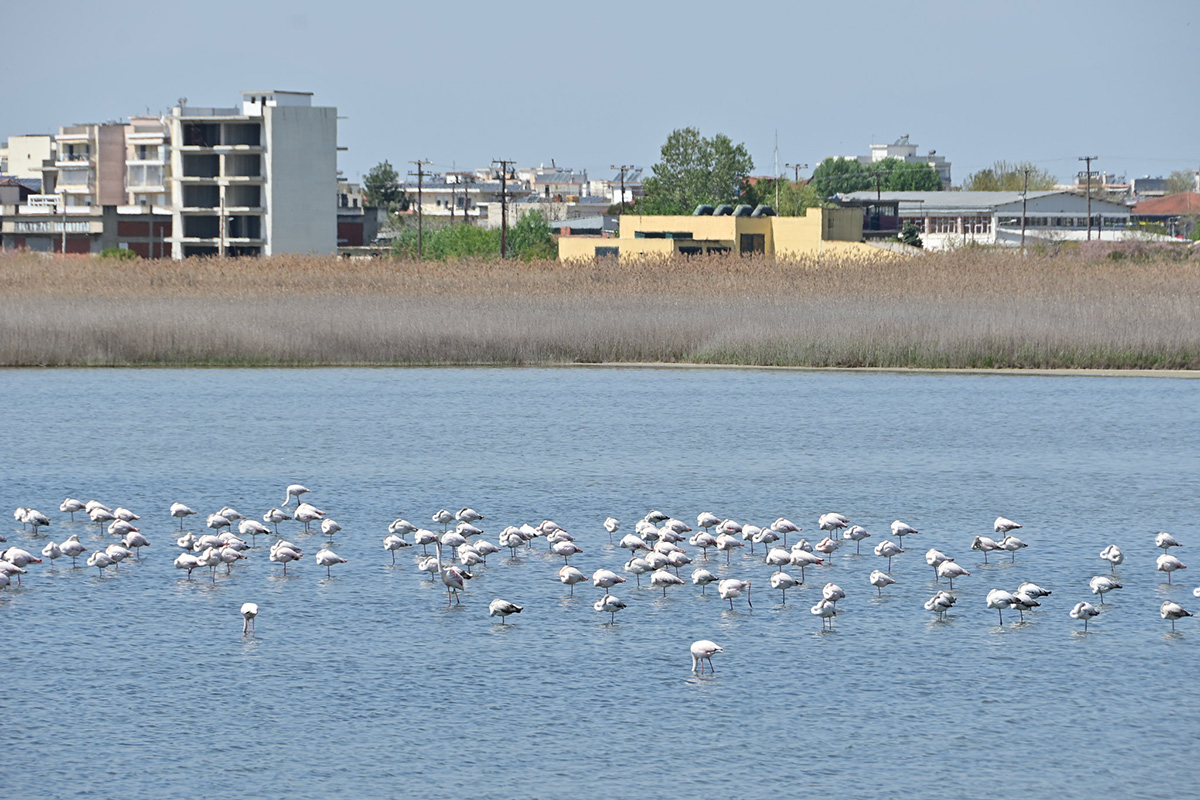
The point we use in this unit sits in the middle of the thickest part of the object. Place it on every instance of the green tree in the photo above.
(1003, 176)
(693, 170)
(1181, 180)
(840, 176)
(911, 236)
(382, 186)
(905, 176)
(787, 198)
(531, 238)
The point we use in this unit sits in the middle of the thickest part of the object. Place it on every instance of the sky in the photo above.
(589, 85)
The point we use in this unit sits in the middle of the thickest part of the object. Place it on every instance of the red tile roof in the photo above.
(1183, 204)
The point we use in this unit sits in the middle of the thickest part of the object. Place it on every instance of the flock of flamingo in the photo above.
(655, 548)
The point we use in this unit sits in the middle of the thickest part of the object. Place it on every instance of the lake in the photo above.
(140, 684)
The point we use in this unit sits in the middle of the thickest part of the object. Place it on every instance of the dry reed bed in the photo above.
(954, 310)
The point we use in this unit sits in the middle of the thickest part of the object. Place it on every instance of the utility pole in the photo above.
(796, 169)
(623, 167)
(1024, 201)
(420, 173)
(1089, 160)
(504, 167)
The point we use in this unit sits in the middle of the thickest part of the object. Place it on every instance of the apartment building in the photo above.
(259, 179)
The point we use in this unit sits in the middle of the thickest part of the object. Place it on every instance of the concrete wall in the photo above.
(301, 171)
(26, 154)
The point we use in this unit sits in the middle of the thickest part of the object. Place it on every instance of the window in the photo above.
(943, 224)
(919, 222)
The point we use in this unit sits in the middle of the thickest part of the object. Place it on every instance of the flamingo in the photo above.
(35, 519)
(612, 525)
(393, 543)
(92, 505)
(609, 604)
(783, 581)
(665, 578)
(210, 558)
(217, 521)
(254, 528)
(606, 579)
(101, 515)
(231, 514)
(940, 603)
(307, 513)
(569, 576)
(424, 538)
(229, 539)
(119, 527)
(70, 506)
(902, 529)
(707, 520)
(327, 558)
(1172, 611)
(401, 527)
(502, 608)
(730, 588)
(1102, 585)
(8, 569)
(985, 545)
(880, 579)
(100, 560)
(73, 548)
(136, 541)
(832, 522)
(180, 511)
(727, 542)
(778, 558)
(856, 533)
(633, 543)
(1012, 544)
(656, 517)
(19, 515)
(125, 514)
(1168, 563)
(703, 650)
(934, 557)
(283, 554)
(19, 557)
(1033, 590)
(329, 527)
(276, 516)
(702, 578)
(428, 564)
(948, 569)
(230, 555)
(638, 567)
(785, 526)
(888, 549)
(52, 551)
(452, 577)
(833, 593)
(1004, 525)
(803, 558)
(468, 515)
(1000, 600)
(1084, 611)
(566, 550)
(1113, 555)
(827, 546)
(703, 540)
(187, 561)
(294, 490)
(249, 612)
(826, 611)
(1165, 540)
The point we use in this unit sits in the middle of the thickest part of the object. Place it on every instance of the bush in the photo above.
(118, 253)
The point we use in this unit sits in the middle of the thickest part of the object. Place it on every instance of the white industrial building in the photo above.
(256, 180)
(947, 220)
(903, 150)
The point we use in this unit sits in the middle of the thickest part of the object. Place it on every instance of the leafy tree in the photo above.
(381, 185)
(1005, 177)
(841, 175)
(787, 198)
(1181, 180)
(693, 170)
(119, 254)
(911, 236)
(531, 239)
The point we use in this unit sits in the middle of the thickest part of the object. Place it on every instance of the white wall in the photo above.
(301, 171)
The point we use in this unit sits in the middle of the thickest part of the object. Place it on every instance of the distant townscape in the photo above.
(261, 178)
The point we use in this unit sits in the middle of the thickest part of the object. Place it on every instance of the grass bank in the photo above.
(966, 310)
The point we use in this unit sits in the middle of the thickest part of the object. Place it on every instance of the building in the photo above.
(24, 156)
(87, 166)
(256, 180)
(467, 196)
(952, 219)
(45, 227)
(741, 231)
(903, 150)
(1178, 213)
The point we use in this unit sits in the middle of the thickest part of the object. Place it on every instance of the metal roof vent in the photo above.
(763, 211)
(723, 210)
(703, 210)
(743, 210)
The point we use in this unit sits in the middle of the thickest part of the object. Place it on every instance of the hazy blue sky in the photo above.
(593, 84)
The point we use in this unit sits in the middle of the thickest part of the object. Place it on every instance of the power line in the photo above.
(1088, 160)
(623, 167)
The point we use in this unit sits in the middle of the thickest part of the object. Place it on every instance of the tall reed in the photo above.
(970, 309)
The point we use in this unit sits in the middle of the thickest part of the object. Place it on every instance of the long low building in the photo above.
(947, 220)
(822, 231)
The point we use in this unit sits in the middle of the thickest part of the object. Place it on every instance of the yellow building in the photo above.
(822, 231)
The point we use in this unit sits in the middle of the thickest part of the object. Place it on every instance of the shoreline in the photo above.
(1069, 372)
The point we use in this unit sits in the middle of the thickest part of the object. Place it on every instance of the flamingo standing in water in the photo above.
(703, 650)
(327, 558)
(569, 576)
(888, 549)
(1172, 611)
(826, 611)
(1084, 611)
(1168, 563)
(307, 513)
(612, 526)
(70, 506)
(393, 543)
(502, 608)
(856, 533)
(73, 548)
(1004, 525)
(609, 604)
(783, 581)
(702, 578)
(294, 490)
(951, 570)
(902, 529)
(940, 603)
(249, 612)
(179, 510)
(276, 516)
(880, 579)
(1113, 555)
(730, 588)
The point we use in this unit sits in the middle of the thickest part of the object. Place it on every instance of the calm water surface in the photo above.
(140, 684)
